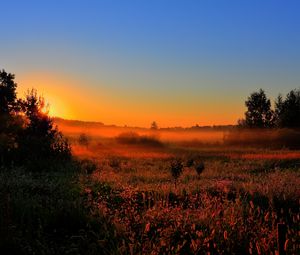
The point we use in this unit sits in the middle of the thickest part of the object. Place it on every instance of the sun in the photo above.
(57, 107)
(55, 91)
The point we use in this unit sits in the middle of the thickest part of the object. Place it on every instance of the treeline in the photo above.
(259, 114)
(27, 134)
(199, 128)
(265, 126)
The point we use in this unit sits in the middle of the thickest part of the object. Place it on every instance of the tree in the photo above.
(154, 126)
(287, 111)
(259, 113)
(27, 134)
(40, 141)
(9, 121)
(8, 95)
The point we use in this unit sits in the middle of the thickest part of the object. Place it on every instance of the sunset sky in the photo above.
(131, 62)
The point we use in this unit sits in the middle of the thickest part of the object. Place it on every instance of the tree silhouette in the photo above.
(8, 95)
(27, 134)
(259, 113)
(154, 126)
(40, 141)
(287, 111)
(9, 121)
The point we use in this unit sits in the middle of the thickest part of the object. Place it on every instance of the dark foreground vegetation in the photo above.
(47, 213)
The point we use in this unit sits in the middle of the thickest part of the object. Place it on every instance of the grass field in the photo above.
(232, 207)
(118, 196)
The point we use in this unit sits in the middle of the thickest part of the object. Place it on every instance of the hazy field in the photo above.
(72, 129)
(232, 207)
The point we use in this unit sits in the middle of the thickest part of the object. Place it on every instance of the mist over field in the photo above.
(206, 136)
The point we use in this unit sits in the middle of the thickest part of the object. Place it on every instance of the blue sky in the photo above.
(178, 62)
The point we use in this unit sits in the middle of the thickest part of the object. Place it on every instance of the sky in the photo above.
(178, 63)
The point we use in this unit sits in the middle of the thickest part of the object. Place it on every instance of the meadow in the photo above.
(232, 206)
(139, 191)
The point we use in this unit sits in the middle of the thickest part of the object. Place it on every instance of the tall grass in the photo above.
(233, 207)
(48, 213)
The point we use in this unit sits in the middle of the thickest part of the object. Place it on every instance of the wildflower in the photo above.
(147, 228)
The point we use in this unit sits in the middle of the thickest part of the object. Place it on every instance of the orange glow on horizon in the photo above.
(69, 98)
(56, 90)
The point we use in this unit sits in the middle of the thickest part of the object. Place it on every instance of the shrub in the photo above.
(176, 169)
(88, 166)
(84, 140)
(115, 163)
(199, 168)
(190, 162)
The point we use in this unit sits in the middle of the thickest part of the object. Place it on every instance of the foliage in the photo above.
(288, 110)
(136, 139)
(154, 126)
(259, 113)
(50, 214)
(236, 213)
(199, 168)
(115, 162)
(260, 118)
(232, 209)
(88, 166)
(176, 168)
(190, 162)
(10, 123)
(27, 134)
(84, 140)
(8, 95)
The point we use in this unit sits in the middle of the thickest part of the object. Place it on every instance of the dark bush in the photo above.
(199, 167)
(176, 169)
(88, 166)
(84, 139)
